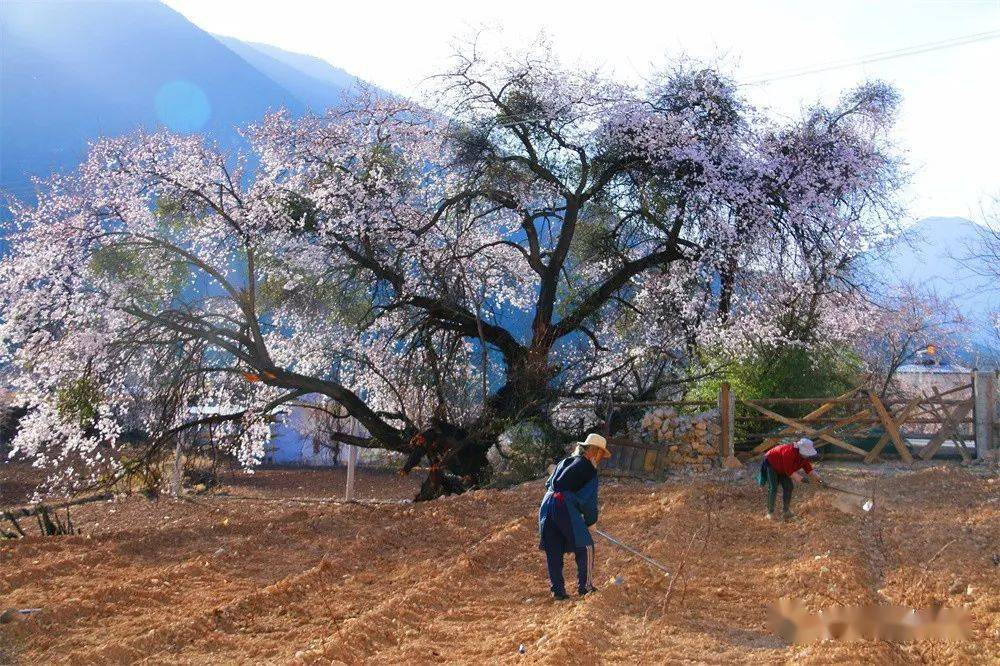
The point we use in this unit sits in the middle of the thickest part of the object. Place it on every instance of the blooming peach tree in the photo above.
(531, 237)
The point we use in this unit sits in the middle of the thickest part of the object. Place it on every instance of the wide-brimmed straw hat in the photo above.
(598, 442)
(806, 447)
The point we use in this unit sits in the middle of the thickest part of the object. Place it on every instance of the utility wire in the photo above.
(878, 57)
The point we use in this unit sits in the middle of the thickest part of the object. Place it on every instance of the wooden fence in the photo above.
(858, 424)
(631, 456)
(861, 424)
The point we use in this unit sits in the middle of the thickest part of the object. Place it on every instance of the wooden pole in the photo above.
(948, 426)
(984, 388)
(890, 427)
(904, 414)
(352, 462)
(811, 416)
(177, 466)
(726, 421)
(798, 426)
(31, 510)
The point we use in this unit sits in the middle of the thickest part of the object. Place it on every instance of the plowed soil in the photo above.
(278, 579)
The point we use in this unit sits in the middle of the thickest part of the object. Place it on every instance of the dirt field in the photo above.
(460, 580)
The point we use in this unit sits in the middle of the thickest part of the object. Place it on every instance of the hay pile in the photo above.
(690, 439)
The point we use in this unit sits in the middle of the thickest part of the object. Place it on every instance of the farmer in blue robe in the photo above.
(568, 508)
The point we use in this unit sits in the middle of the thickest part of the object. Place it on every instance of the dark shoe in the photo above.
(586, 592)
(560, 596)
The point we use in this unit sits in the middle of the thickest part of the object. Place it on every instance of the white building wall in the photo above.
(292, 440)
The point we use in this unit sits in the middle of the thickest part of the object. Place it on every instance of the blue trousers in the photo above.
(556, 544)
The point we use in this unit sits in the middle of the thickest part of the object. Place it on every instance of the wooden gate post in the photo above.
(727, 418)
(984, 389)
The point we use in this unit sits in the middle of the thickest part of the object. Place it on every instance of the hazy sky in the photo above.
(950, 122)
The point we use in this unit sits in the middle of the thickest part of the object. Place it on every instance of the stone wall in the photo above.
(690, 439)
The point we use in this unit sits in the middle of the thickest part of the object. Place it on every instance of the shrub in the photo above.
(788, 372)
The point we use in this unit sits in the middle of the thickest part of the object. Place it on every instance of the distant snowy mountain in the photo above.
(930, 254)
(71, 72)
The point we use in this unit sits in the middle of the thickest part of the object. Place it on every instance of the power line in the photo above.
(878, 57)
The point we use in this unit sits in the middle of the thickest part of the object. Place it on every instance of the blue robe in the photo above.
(580, 501)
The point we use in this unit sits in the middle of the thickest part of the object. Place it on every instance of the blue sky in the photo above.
(949, 122)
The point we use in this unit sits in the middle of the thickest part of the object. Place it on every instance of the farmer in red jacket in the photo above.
(782, 464)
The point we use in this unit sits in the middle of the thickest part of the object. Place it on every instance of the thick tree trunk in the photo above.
(457, 456)
(525, 396)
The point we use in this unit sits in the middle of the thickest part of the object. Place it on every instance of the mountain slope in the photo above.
(74, 71)
(930, 255)
(317, 83)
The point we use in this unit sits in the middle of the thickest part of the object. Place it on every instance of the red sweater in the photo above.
(786, 459)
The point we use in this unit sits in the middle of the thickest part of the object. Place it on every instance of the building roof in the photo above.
(943, 368)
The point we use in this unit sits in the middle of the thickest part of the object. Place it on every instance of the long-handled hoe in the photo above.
(646, 558)
(869, 502)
